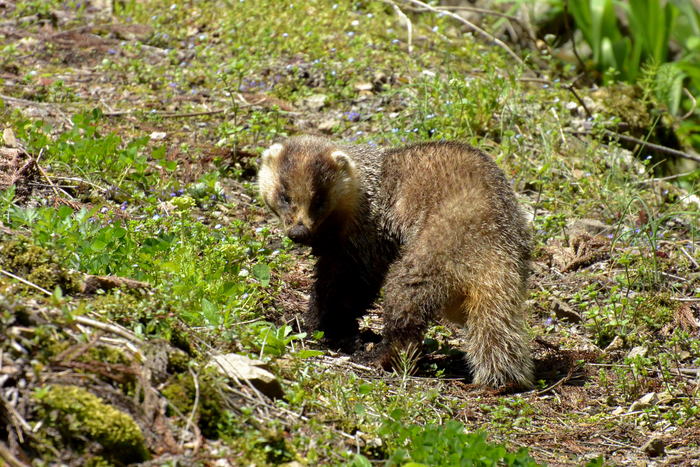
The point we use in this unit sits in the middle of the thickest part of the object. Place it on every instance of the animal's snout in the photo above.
(299, 233)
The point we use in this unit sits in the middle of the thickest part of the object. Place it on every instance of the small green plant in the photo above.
(443, 445)
(272, 340)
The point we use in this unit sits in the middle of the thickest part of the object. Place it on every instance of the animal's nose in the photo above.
(299, 233)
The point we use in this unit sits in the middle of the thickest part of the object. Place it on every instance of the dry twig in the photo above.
(25, 281)
(406, 21)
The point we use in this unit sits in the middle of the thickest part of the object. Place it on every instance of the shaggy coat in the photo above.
(436, 224)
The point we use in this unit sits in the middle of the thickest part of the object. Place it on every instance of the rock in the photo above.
(158, 135)
(327, 125)
(563, 311)
(239, 367)
(315, 102)
(655, 447)
(363, 86)
(589, 226)
(638, 351)
(616, 344)
(9, 138)
(647, 400)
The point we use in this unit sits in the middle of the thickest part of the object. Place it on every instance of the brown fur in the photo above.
(436, 224)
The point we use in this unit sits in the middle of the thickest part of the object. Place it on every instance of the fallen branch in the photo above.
(107, 327)
(166, 115)
(7, 457)
(631, 139)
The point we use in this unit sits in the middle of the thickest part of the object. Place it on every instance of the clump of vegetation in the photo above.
(21, 257)
(442, 445)
(76, 414)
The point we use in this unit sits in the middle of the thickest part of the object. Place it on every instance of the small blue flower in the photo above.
(352, 116)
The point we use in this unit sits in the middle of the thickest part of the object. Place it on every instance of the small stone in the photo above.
(563, 311)
(589, 226)
(239, 367)
(616, 344)
(8, 137)
(638, 351)
(364, 86)
(327, 125)
(158, 135)
(655, 447)
(646, 401)
(619, 411)
(665, 397)
(315, 102)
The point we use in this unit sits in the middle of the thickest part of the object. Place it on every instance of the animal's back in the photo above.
(455, 191)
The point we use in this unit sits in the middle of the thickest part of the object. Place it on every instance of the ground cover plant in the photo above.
(149, 303)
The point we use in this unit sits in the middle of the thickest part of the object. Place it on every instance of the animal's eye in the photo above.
(284, 199)
(318, 203)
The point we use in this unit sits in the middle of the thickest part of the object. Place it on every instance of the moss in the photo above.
(211, 411)
(625, 102)
(78, 414)
(37, 265)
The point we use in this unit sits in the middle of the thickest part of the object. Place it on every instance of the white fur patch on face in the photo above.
(266, 181)
(267, 177)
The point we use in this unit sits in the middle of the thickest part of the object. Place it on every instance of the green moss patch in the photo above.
(77, 415)
(21, 257)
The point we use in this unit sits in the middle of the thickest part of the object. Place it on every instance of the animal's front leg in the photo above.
(342, 293)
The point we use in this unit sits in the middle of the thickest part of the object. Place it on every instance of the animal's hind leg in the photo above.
(497, 344)
(416, 289)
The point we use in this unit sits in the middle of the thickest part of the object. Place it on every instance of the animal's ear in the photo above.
(272, 153)
(342, 160)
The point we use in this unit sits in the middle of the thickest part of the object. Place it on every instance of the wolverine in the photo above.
(435, 224)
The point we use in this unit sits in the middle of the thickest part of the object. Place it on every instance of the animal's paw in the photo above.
(373, 355)
(344, 344)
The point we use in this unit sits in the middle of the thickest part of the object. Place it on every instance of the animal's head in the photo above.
(304, 181)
